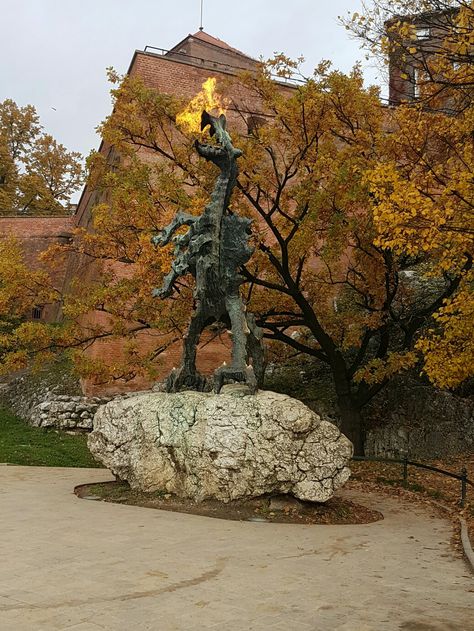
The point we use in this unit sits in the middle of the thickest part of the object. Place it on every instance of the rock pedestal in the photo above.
(229, 446)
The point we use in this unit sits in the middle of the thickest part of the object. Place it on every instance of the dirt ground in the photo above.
(424, 488)
(273, 509)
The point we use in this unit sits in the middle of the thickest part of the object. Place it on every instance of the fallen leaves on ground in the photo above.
(423, 487)
(268, 508)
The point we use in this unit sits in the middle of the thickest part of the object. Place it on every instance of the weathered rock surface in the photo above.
(413, 418)
(228, 446)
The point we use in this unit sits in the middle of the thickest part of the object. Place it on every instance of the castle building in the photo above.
(411, 56)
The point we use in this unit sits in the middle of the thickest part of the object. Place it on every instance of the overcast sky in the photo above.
(54, 52)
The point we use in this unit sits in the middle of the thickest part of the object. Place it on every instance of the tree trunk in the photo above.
(351, 424)
(349, 411)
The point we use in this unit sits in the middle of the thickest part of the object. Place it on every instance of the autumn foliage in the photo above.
(37, 174)
(361, 230)
(425, 190)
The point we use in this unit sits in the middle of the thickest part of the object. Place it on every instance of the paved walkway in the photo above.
(80, 565)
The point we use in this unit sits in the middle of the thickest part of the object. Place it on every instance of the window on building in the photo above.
(422, 32)
(416, 79)
(254, 123)
(37, 313)
(113, 159)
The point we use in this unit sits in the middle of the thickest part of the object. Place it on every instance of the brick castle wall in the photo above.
(35, 235)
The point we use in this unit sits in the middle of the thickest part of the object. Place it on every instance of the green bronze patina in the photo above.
(212, 250)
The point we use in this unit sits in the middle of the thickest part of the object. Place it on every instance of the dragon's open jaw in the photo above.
(218, 129)
(217, 124)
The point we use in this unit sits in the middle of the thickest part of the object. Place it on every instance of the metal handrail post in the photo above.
(463, 485)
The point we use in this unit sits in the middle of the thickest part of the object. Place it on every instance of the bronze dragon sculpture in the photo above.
(213, 249)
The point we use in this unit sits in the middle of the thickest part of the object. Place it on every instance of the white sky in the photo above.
(54, 52)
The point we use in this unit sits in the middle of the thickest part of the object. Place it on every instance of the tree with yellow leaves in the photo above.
(424, 189)
(431, 42)
(21, 289)
(320, 282)
(37, 174)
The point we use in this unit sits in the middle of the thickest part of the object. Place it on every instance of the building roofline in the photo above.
(189, 60)
(216, 43)
(228, 70)
(420, 17)
(70, 217)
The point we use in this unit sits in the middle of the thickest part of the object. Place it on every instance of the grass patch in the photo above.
(24, 445)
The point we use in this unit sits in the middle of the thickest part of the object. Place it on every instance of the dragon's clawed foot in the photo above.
(184, 379)
(226, 374)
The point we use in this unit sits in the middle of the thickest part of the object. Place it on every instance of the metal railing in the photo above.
(462, 477)
(216, 65)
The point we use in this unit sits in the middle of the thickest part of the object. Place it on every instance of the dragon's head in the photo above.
(223, 151)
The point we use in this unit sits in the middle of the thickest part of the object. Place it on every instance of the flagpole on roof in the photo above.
(201, 27)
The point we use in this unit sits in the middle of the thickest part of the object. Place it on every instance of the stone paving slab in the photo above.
(78, 565)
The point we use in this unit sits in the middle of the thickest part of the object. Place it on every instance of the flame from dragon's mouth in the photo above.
(189, 120)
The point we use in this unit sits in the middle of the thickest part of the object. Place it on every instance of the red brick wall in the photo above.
(36, 234)
(432, 28)
(203, 52)
(210, 356)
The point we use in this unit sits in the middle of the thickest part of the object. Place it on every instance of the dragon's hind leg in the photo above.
(255, 349)
(186, 377)
(246, 344)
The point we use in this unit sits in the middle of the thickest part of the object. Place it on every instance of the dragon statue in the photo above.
(213, 249)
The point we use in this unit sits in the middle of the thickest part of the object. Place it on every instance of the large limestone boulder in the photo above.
(228, 446)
